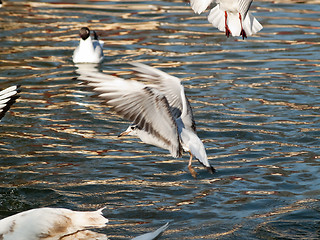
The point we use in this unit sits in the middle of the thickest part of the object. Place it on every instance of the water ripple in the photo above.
(256, 104)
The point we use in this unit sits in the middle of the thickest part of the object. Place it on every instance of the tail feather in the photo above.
(216, 18)
(250, 24)
(234, 24)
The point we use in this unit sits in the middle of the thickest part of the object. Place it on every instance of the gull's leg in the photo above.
(226, 25)
(242, 33)
(192, 171)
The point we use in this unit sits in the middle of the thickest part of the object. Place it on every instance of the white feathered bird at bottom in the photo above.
(52, 224)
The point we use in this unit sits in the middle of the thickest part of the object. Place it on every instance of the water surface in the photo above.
(256, 104)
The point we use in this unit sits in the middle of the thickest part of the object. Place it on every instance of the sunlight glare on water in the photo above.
(256, 106)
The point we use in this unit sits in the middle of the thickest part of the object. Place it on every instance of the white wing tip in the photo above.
(153, 235)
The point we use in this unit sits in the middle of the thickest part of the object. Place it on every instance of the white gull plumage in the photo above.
(52, 224)
(89, 50)
(60, 223)
(230, 16)
(8, 96)
(160, 112)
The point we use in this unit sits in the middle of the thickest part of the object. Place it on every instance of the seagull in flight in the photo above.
(160, 112)
(230, 16)
(89, 50)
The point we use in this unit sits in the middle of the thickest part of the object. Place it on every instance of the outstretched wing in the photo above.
(141, 104)
(152, 235)
(172, 89)
(200, 6)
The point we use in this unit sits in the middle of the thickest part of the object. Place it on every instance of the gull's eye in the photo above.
(133, 127)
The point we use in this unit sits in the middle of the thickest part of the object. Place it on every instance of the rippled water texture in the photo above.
(256, 104)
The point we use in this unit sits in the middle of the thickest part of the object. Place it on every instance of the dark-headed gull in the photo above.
(8, 96)
(89, 50)
(230, 16)
(160, 112)
(52, 224)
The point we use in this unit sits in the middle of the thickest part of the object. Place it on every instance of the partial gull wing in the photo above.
(171, 87)
(200, 6)
(244, 6)
(153, 235)
(8, 96)
(141, 104)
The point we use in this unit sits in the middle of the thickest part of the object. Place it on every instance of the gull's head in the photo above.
(84, 33)
(132, 130)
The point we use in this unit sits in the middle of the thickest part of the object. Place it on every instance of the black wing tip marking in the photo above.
(10, 102)
(211, 169)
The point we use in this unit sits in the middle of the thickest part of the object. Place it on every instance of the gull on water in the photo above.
(8, 97)
(60, 223)
(230, 16)
(160, 112)
(88, 50)
(52, 224)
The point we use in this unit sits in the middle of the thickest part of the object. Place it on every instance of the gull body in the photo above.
(52, 224)
(89, 50)
(8, 96)
(160, 112)
(230, 16)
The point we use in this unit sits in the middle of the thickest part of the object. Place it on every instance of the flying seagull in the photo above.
(230, 16)
(160, 112)
(89, 50)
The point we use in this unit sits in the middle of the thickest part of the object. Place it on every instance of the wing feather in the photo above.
(8, 97)
(200, 6)
(143, 105)
(244, 6)
(171, 87)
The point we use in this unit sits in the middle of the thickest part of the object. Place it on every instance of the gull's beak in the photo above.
(127, 132)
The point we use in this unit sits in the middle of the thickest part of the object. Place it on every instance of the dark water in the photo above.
(256, 104)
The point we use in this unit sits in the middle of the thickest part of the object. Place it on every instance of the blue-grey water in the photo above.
(256, 104)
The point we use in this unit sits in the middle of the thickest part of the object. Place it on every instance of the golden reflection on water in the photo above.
(228, 82)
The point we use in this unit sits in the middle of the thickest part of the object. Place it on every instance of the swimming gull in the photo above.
(88, 50)
(52, 224)
(160, 112)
